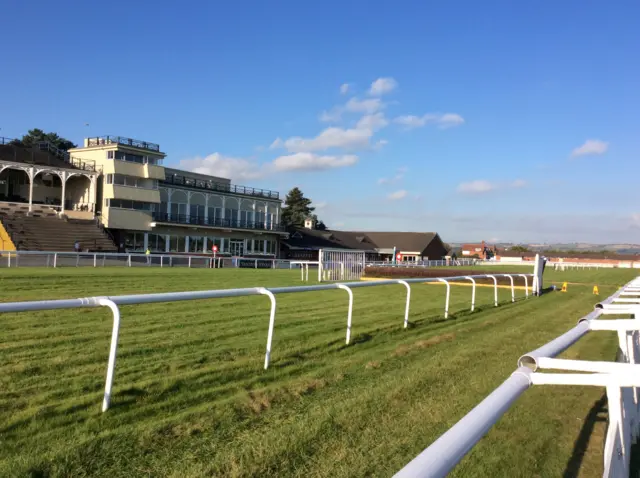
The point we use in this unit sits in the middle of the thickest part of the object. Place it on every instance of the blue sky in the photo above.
(499, 120)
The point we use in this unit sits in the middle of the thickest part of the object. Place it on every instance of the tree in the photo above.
(520, 249)
(37, 135)
(297, 209)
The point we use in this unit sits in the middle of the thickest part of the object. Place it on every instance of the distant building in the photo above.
(481, 251)
(304, 244)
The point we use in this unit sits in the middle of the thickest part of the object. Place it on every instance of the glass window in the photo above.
(268, 221)
(176, 243)
(195, 244)
(109, 179)
(225, 244)
(110, 154)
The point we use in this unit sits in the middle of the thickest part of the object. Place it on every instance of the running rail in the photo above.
(446, 452)
(114, 302)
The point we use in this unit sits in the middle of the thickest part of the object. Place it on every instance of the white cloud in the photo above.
(367, 106)
(382, 86)
(398, 195)
(320, 205)
(443, 121)
(348, 139)
(380, 144)
(216, 164)
(344, 88)
(590, 146)
(478, 186)
(398, 177)
(354, 105)
(481, 186)
(277, 143)
(304, 161)
(332, 116)
(373, 122)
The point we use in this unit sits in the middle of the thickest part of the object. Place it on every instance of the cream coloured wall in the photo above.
(126, 219)
(114, 191)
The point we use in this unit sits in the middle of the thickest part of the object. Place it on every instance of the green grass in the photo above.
(191, 398)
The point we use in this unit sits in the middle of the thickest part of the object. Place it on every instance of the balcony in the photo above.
(217, 222)
(218, 187)
(134, 143)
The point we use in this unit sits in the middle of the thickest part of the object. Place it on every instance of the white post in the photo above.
(406, 307)
(55, 260)
(350, 311)
(473, 293)
(272, 321)
(31, 178)
(112, 350)
(513, 291)
(495, 290)
(64, 191)
(95, 258)
(446, 304)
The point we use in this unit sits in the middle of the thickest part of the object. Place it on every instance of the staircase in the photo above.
(42, 231)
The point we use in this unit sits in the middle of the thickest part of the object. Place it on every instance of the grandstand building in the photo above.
(123, 184)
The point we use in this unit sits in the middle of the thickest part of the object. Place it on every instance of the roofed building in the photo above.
(304, 244)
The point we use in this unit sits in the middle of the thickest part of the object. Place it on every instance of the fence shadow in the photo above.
(597, 414)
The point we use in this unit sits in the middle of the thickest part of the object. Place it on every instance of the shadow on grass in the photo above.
(598, 413)
(128, 397)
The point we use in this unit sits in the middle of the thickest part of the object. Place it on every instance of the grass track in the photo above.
(191, 398)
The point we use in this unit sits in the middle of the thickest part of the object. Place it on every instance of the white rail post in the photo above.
(77, 259)
(129, 260)
(189, 262)
(105, 302)
(446, 304)
(272, 322)
(513, 290)
(95, 258)
(350, 311)
(55, 260)
(161, 261)
(473, 293)
(406, 307)
(104, 259)
(526, 285)
(495, 290)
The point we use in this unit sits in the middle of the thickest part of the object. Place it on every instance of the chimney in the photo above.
(309, 223)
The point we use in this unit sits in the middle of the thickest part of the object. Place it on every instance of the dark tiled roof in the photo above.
(365, 241)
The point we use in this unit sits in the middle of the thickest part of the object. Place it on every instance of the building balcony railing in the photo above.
(105, 140)
(215, 222)
(218, 187)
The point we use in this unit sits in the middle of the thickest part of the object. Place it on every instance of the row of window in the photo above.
(133, 158)
(132, 181)
(213, 213)
(134, 241)
(128, 204)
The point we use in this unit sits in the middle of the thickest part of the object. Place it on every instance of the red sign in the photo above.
(399, 256)
(214, 248)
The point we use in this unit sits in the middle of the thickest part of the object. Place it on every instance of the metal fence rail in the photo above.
(114, 302)
(431, 263)
(12, 259)
(620, 379)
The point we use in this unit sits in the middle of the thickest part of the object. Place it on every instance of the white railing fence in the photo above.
(621, 381)
(114, 302)
(14, 259)
(430, 263)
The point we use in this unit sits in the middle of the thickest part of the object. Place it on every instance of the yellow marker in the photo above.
(564, 287)
(595, 290)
